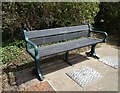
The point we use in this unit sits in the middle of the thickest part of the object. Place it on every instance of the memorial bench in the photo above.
(59, 40)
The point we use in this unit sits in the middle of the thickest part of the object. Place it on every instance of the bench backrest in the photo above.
(47, 36)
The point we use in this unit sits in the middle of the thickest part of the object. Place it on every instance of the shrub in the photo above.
(37, 15)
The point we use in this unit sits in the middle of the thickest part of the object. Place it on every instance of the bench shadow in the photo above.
(58, 63)
(49, 65)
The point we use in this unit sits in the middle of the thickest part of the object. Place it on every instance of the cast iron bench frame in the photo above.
(46, 36)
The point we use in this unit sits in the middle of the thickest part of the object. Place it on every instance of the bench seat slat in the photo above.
(66, 46)
(55, 31)
(52, 39)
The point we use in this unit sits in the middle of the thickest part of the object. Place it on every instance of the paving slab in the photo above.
(61, 82)
(55, 73)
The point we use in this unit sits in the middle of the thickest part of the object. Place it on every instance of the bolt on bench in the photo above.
(61, 39)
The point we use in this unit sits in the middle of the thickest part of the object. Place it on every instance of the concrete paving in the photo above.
(109, 82)
(55, 72)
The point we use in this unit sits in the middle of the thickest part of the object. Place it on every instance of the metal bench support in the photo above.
(92, 52)
(37, 67)
(66, 58)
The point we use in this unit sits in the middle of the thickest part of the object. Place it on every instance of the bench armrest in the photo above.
(101, 32)
(95, 31)
(28, 43)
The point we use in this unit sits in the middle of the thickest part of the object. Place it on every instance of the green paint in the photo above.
(35, 55)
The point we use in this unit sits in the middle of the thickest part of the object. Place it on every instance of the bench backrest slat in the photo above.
(52, 39)
(55, 31)
(47, 36)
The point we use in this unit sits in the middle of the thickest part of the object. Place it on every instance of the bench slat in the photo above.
(63, 37)
(66, 46)
(55, 31)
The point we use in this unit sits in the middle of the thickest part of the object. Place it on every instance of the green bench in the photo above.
(63, 39)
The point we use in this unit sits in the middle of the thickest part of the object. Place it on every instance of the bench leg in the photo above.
(92, 52)
(37, 67)
(66, 58)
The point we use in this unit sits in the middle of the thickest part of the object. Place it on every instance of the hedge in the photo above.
(40, 15)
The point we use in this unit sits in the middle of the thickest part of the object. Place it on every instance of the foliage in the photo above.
(10, 54)
(14, 54)
(18, 43)
(108, 18)
(0, 55)
(40, 15)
